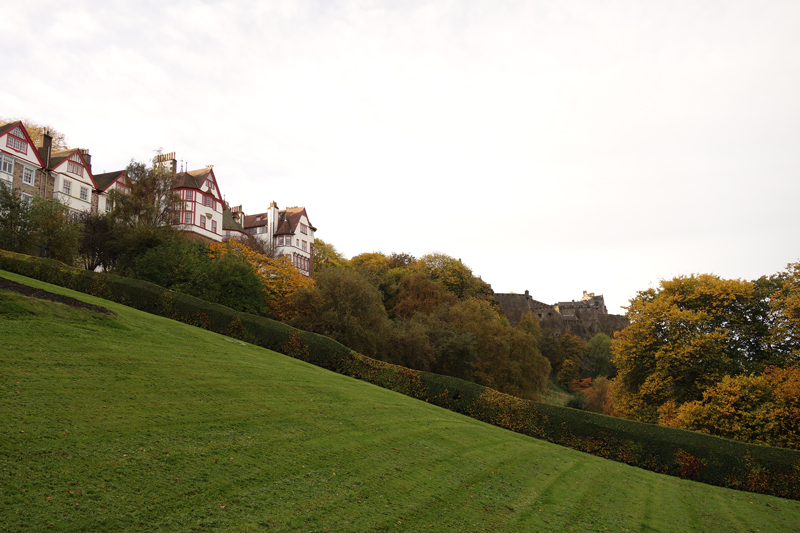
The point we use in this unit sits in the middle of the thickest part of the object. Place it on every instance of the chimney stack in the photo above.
(87, 158)
(46, 147)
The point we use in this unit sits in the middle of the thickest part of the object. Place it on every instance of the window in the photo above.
(74, 164)
(7, 164)
(16, 141)
(214, 226)
(187, 218)
(66, 186)
(304, 229)
(203, 221)
(85, 194)
(280, 241)
(26, 198)
(27, 175)
(190, 195)
(305, 246)
(207, 201)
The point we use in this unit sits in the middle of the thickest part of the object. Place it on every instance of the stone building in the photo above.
(585, 317)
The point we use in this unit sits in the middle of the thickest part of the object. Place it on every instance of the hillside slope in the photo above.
(135, 422)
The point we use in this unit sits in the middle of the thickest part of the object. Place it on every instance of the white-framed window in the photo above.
(28, 175)
(7, 164)
(190, 195)
(203, 221)
(85, 194)
(280, 240)
(16, 140)
(214, 226)
(26, 198)
(188, 218)
(66, 186)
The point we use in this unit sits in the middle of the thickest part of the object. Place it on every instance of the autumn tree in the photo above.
(683, 338)
(762, 409)
(417, 293)
(37, 130)
(454, 276)
(327, 256)
(279, 278)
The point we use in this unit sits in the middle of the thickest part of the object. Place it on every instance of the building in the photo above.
(200, 213)
(72, 179)
(584, 318)
(286, 232)
(106, 183)
(22, 167)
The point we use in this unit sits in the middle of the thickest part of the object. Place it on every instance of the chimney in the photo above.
(87, 158)
(46, 147)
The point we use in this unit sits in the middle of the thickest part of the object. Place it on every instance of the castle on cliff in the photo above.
(585, 317)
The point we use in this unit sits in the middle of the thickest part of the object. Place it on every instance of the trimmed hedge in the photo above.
(675, 452)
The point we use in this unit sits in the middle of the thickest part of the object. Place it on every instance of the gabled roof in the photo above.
(228, 223)
(8, 128)
(293, 216)
(107, 179)
(195, 179)
(58, 158)
(253, 221)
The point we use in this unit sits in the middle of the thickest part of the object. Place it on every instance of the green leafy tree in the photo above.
(190, 267)
(598, 361)
(342, 305)
(98, 246)
(15, 222)
(56, 233)
(151, 199)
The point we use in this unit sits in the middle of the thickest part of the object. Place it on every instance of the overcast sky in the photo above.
(552, 146)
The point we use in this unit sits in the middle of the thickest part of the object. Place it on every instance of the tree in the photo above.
(98, 247)
(15, 222)
(342, 305)
(598, 361)
(56, 234)
(37, 130)
(327, 256)
(190, 267)
(454, 276)
(785, 308)
(417, 293)
(279, 278)
(762, 409)
(598, 399)
(683, 338)
(151, 199)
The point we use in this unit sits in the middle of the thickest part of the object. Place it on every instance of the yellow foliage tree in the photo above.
(762, 409)
(279, 277)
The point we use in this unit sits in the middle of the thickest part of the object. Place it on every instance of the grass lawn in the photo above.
(135, 422)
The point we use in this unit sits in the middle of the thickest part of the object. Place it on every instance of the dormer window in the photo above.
(74, 165)
(16, 140)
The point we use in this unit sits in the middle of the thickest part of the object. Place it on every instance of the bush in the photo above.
(676, 452)
(577, 401)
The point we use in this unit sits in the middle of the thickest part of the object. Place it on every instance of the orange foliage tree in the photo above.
(763, 409)
(279, 277)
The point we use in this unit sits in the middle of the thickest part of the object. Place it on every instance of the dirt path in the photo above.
(25, 290)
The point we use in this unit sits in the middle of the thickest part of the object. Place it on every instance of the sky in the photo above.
(552, 146)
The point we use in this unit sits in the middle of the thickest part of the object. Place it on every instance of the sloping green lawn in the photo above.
(135, 422)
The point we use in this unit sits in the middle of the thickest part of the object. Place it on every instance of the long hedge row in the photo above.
(686, 454)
